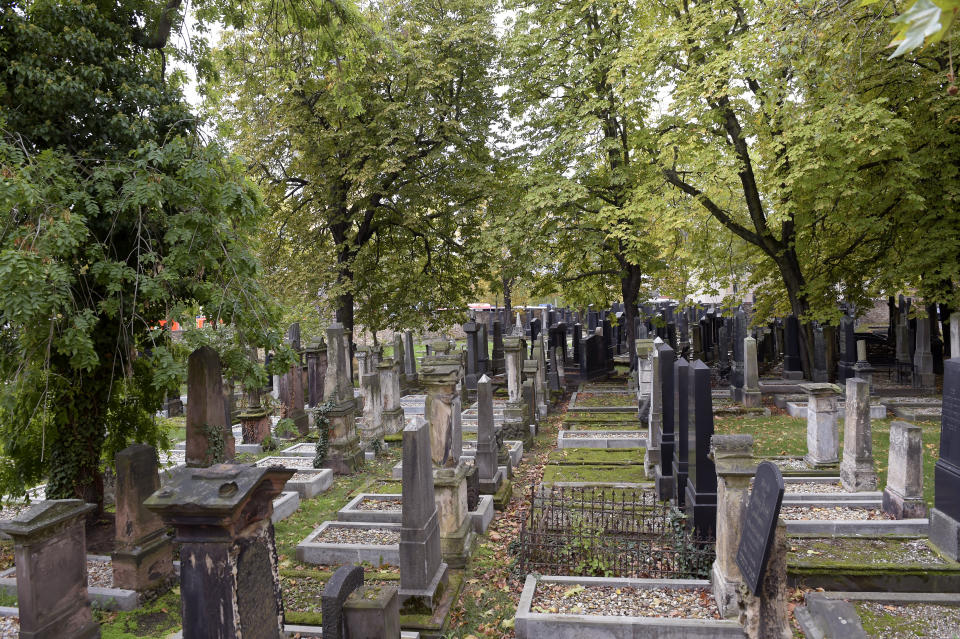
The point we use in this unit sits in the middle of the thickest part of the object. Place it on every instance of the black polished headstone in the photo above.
(791, 361)
(681, 455)
(946, 473)
(759, 524)
(701, 498)
(666, 357)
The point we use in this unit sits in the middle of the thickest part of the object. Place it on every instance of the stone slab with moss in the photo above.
(596, 456)
(594, 473)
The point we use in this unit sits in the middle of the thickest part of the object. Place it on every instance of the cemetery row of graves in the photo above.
(536, 478)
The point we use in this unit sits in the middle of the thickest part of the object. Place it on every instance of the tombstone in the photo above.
(823, 437)
(342, 584)
(488, 469)
(856, 469)
(607, 344)
(440, 375)
(904, 361)
(736, 372)
(143, 553)
(830, 355)
(578, 335)
(456, 424)
(255, 422)
(724, 352)
(472, 331)
(554, 375)
(409, 357)
(848, 349)
(733, 457)
(344, 454)
(945, 516)
(229, 579)
(681, 431)
(923, 376)
(792, 366)
(862, 368)
(955, 335)
(49, 547)
(663, 481)
(652, 454)
(390, 393)
(540, 378)
(209, 436)
(535, 328)
(701, 497)
(483, 348)
(762, 558)
(697, 341)
(316, 356)
(497, 362)
(290, 390)
(592, 358)
(751, 374)
(371, 429)
(903, 495)
(173, 407)
(819, 356)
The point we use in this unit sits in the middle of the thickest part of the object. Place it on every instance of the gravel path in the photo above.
(915, 620)
(344, 535)
(832, 513)
(390, 503)
(694, 603)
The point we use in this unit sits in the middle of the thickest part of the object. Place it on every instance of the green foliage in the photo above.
(285, 428)
(216, 444)
(268, 443)
(322, 422)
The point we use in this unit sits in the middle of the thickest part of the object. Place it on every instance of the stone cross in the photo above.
(422, 570)
(751, 374)
(49, 547)
(856, 469)
(143, 553)
(903, 495)
(206, 412)
(823, 436)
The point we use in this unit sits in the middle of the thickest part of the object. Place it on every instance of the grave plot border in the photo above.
(480, 518)
(326, 553)
(320, 482)
(846, 528)
(536, 625)
(285, 505)
(99, 597)
(617, 439)
(810, 628)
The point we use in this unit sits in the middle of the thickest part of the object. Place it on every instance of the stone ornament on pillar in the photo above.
(229, 579)
(49, 545)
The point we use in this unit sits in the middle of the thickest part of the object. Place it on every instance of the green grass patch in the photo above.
(385, 487)
(596, 456)
(599, 400)
(916, 620)
(155, 620)
(594, 473)
(592, 417)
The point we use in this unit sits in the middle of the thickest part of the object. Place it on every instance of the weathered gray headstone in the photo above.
(344, 455)
(209, 436)
(945, 516)
(903, 496)
(410, 357)
(751, 374)
(823, 435)
(856, 469)
(733, 458)
(923, 376)
(490, 475)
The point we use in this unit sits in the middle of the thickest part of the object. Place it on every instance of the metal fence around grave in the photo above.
(610, 532)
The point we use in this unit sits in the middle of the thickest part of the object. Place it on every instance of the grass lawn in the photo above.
(783, 435)
(594, 473)
(599, 400)
(596, 456)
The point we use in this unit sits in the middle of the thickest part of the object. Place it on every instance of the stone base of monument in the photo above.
(345, 458)
(531, 623)
(514, 449)
(145, 567)
(822, 464)
(945, 533)
(725, 593)
(456, 546)
(314, 551)
(752, 398)
(501, 499)
(846, 527)
(663, 485)
(793, 375)
(901, 507)
(105, 597)
(255, 426)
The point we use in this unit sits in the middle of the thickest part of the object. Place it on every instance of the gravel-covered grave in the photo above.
(9, 627)
(366, 536)
(623, 601)
(389, 503)
(832, 513)
(99, 573)
(790, 464)
(575, 434)
(910, 621)
(808, 487)
(854, 549)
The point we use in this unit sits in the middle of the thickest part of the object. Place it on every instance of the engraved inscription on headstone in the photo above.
(759, 524)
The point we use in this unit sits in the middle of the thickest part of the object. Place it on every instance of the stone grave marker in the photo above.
(666, 358)
(823, 435)
(344, 455)
(489, 474)
(316, 356)
(792, 366)
(344, 581)
(409, 357)
(759, 524)
(751, 374)
(206, 414)
(923, 376)
(945, 516)
(701, 498)
(903, 495)
(681, 431)
(856, 470)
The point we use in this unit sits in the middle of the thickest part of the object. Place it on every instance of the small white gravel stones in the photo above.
(9, 627)
(99, 573)
(581, 434)
(866, 551)
(389, 503)
(918, 620)
(832, 513)
(688, 603)
(813, 487)
(790, 463)
(367, 536)
(288, 462)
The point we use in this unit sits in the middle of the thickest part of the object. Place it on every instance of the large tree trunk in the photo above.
(794, 283)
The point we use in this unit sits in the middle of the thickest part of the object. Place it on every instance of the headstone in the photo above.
(945, 516)
(751, 374)
(737, 371)
(577, 336)
(701, 497)
(724, 353)
(472, 331)
(488, 469)
(666, 358)
(440, 375)
(856, 469)
(535, 327)
(923, 376)
(848, 349)
(651, 454)
(316, 356)
(955, 335)
(497, 363)
(392, 415)
(733, 457)
(862, 368)
(342, 584)
(410, 357)
(372, 422)
(903, 495)
(344, 454)
(483, 348)
(209, 436)
(49, 547)
(229, 578)
(792, 366)
(904, 361)
(681, 431)
(759, 524)
(819, 356)
(823, 436)
(422, 571)
(372, 612)
(143, 553)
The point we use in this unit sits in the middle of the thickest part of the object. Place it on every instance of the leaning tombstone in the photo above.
(762, 559)
(856, 469)
(49, 547)
(209, 436)
(903, 495)
(945, 516)
(143, 554)
(229, 579)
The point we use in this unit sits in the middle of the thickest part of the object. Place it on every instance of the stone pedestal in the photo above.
(823, 436)
(344, 455)
(856, 469)
(392, 416)
(49, 546)
(733, 457)
(765, 615)
(255, 426)
(453, 514)
(751, 374)
(903, 495)
(372, 423)
(440, 375)
(372, 612)
(143, 553)
(229, 580)
(206, 412)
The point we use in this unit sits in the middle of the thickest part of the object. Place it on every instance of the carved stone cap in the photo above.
(733, 454)
(820, 388)
(221, 488)
(45, 517)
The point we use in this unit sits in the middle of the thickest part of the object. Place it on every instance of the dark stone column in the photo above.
(701, 497)
(206, 412)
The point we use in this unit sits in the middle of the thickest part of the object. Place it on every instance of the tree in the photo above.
(370, 144)
(120, 216)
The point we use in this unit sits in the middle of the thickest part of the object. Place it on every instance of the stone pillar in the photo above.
(540, 377)
(733, 458)
(410, 357)
(862, 368)
(471, 329)
(393, 418)
(765, 615)
(955, 335)
(344, 454)
(372, 422)
(751, 374)
(823, 436)
(255, 421)
(903, 496)
(423, 575)
(440, 375)
(143, 554)
(316, 355)
(497, 363)
(792, 367)
(651, 454)
(701, 498)
(49, 547)
(209, 437)
(923, 376)
(819, 356)
(483, 351)
(681, 430)
(856, 469)
(516, 416)
(666, 358)
(229, 580)
(490, 475)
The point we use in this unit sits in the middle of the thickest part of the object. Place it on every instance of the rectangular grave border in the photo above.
(327, 553)
(537, 625)
(847, 528)
(285, 505)
(623, 439)
(103, 598)
(480, 518)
